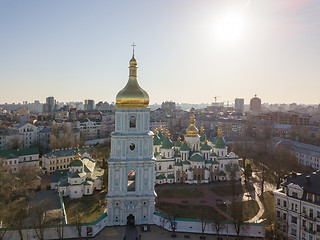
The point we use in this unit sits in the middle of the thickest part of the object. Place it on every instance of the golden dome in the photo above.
(132, 95)
(133, 61)
(192, 130)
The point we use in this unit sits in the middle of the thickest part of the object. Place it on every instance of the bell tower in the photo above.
(130, 197)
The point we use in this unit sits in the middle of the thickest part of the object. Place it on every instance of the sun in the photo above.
(230, 27)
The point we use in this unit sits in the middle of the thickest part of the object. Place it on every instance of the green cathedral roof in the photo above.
(184, 147)
(161, 177)
(220, 142)
(167, 143)
(156, 140)
(178, 143)
(196, 157)
(202, 137)
(205, 147)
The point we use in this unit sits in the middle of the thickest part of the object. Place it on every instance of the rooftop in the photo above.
(7, 154)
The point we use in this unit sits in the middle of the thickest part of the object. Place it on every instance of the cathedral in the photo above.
(131, 195)
(195, 160)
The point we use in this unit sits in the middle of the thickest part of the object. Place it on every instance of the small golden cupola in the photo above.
(132, 95)
(192, 130)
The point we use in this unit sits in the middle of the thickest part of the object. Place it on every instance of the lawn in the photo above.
(249, 208)
(87, 206)
(189, 211)
(179, 193)
(226, 189)
(268, 202)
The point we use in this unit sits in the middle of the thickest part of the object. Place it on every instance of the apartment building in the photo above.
(298, 207)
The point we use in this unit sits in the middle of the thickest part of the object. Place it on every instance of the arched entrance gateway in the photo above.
(130, 220)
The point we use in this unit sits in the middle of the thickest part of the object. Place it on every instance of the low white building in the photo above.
(15, 160)
(298, 207)
(81, 178)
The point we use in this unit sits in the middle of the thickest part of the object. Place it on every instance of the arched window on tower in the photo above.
(131, 181)
(132, 122)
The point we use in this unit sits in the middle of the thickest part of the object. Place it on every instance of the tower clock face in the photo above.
(132, 146)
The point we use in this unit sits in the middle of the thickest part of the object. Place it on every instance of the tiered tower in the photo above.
(130, 198)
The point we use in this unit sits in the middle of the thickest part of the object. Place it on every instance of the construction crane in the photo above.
(215, 100)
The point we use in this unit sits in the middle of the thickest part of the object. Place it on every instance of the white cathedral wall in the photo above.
(193, 143)
(165, 166)
(76, 191)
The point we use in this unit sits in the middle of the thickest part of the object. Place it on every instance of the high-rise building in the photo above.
(88, 104)
(255, 104)
(239, 105)
(50, 104)
(130, 197)
(168, 105)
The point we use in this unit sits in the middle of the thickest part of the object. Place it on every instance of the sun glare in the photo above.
(230, 28)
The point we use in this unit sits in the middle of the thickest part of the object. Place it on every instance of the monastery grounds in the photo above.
(187, 201)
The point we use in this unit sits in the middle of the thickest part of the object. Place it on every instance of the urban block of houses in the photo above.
(195, 160)
(306, 154)
(30, 134)
(15, 160)
(298, 206)
(81, 177)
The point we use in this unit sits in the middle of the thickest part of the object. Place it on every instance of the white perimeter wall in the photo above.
(250, 230)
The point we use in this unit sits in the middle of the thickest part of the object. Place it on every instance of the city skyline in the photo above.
(187, 52)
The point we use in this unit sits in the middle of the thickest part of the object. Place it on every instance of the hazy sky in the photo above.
(75, 50)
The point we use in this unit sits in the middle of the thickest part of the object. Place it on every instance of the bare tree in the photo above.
(18, 212)
(237, 217)
(16, 142)
(217, 226)
(172, 220)
(40, 221)
(203, 222)
(54, 142)
(79, 217)
(60, 229)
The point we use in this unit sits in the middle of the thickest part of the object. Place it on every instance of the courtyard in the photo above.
(214, 199)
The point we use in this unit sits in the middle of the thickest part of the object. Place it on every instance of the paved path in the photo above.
(261, 206)
(267, 187)
(131, 233)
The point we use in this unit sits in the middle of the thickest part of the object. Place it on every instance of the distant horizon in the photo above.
(179, 103)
